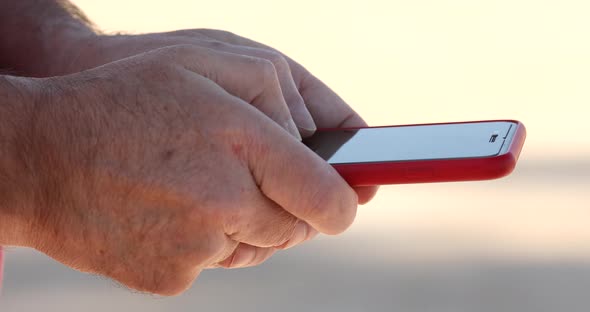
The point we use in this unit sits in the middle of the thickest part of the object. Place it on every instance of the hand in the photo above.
(310, 101)
(148, 171)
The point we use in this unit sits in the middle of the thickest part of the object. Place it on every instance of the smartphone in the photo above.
(442, 152)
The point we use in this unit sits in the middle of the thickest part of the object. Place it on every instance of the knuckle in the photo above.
(277, 59)
(263, 76)
(285, 227)
(270, 231)
(267, 71)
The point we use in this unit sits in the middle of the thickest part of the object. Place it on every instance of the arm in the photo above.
(34, 31)
(16, 212)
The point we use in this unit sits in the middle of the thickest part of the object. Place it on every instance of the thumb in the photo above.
(299, 181)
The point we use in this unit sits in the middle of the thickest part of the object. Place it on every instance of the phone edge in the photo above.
(441, 170)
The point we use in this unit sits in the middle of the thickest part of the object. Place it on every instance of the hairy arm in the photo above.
(16, 181)
(33, 31)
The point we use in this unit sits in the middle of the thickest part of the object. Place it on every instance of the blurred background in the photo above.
(517, 244)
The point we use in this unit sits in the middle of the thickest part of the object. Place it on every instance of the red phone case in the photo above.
(443, 170)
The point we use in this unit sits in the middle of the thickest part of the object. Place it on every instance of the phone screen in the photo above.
(405, 143)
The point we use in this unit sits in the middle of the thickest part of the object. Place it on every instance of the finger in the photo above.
(260, 221)
(246, 255)
(300, 182)
(265, 224)
(294, 100)
(251, 79)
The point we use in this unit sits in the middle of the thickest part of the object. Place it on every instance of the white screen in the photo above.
(463, 140)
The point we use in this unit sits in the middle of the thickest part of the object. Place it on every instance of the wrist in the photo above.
(17, 212)
(35, 177)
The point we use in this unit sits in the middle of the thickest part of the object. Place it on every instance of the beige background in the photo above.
(517, 244)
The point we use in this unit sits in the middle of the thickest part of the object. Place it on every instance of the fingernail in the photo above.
(306, 133)
(304, 121)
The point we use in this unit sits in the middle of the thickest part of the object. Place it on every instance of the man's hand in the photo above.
(151, 168)
(311, 103)
(148, 170)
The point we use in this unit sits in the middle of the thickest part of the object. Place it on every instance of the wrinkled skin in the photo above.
(147, 170)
